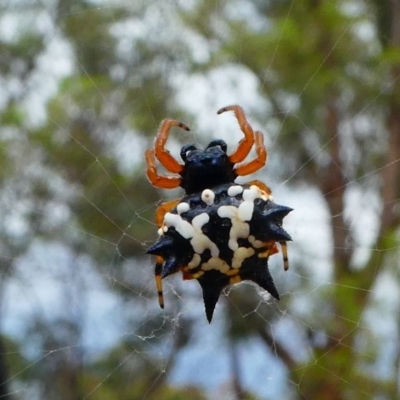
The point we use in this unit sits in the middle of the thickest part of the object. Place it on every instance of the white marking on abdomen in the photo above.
(199, 241)
(235, 190)
(208, 196)
(182, 208)
(239, 229)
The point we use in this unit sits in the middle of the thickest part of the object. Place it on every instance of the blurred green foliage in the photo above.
(328, 72)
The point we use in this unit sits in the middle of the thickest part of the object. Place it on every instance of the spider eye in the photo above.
(218, 143)
(186, 150)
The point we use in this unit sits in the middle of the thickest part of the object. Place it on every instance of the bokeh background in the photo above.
(83, 88)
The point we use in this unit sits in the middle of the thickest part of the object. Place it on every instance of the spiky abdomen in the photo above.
(222, 236)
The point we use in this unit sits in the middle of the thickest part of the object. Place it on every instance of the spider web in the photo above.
(78, 300)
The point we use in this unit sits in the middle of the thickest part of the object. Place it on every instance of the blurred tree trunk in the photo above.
(335, 374)
(307, 52)
(4, 375)
(4, 368)
(236, 375)
(391, 173)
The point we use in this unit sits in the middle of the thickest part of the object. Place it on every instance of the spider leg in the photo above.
(157, 273)
(258, 162)
(247, 142)
(163, 208)
(284, 255)
(160, 213)
(161, 153)
(272, 249)
(166, 182)
(262, 186)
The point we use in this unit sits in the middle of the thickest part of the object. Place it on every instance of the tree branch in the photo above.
(277, 348)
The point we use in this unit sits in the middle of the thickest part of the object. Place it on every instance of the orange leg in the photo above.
(247, 142)
(285, 255)
(272, 249)
(260, 185)
(162, 154)
(160, 213)
(157, 273)
(166, 182)
(258, 162)
(163, 209)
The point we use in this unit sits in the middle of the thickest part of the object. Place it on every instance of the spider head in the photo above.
(206, 168)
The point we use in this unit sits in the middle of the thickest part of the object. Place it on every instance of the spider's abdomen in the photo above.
(222, 236)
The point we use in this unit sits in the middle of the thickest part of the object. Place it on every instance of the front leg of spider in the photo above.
(221, 232)
(167, 182)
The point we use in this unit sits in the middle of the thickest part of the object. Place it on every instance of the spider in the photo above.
(210, 174)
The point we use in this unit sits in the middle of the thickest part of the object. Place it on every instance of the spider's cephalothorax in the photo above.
(209, 167)
(222, 236)
(206, 168)
(203, 171)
